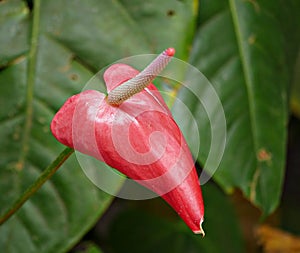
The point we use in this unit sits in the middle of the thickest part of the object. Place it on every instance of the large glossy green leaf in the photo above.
(109, 30)
(137, 231)
(240, 46)
(75, 38)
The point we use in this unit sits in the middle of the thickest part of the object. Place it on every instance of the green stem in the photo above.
(47, 174)
(31, 74)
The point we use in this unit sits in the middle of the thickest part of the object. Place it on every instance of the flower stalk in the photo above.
(44, 177)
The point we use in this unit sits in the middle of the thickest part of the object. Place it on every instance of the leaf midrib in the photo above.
(247, 71)
(31, 74)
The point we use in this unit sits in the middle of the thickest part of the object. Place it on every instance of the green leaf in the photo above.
(295, 94)
(137, 231)
(14, 31)
(115, 29)
(93, 249)
(87, 247)
(45, 59)
(290, 23)
(240, 47)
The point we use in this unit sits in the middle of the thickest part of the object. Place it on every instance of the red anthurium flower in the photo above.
(132, 130)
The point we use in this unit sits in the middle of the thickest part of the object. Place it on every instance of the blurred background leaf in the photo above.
(295, 94)
(87, 247)
(244, 49)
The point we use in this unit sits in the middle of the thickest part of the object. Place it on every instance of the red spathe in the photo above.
(139, 138)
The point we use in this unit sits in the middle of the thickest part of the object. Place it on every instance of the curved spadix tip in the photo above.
(200, 231)
(170, 51)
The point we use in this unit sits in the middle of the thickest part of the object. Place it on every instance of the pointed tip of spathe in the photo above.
(200, 231)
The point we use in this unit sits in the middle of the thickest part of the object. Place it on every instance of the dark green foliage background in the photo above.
(247, 49)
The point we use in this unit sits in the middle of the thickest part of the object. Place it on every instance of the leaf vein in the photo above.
(246, 70)
(31, 73)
